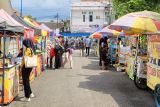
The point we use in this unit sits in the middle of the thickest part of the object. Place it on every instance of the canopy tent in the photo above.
(75, 34)
(37, 38)
(36, 24)
(7, 22)
(46, 30)
(46, 27)
(32, 22)
(51, 32)
(31, 31)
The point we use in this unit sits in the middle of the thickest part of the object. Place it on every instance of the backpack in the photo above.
(81, 45)
(52, 52)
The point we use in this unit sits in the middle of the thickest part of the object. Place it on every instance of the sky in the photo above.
(45, 10)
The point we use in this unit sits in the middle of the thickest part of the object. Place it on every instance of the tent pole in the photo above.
(21, 10)
(3, 76)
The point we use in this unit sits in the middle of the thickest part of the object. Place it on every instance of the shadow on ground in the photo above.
(91, 67)
(120, 87)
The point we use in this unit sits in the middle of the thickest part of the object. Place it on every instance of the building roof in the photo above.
(89, 4)
(53, 25)
(6, 5)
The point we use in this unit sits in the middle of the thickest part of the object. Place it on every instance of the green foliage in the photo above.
(31, 17)
(122, 7)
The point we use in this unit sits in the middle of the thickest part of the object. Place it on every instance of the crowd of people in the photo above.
(56, 51)
(58, 54)
(65, 47)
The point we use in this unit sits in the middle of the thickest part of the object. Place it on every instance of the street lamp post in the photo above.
(21, 10)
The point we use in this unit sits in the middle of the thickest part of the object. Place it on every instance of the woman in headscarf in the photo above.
(28, 51)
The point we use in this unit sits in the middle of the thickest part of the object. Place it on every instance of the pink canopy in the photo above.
(10, 23)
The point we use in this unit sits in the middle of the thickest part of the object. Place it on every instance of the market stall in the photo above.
(136, 24)
(47, 34)
(123, 50)
(9, 67)
(153, 66)
(96, 37)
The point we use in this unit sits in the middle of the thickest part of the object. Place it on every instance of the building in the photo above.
(6, 5)
(89, 15)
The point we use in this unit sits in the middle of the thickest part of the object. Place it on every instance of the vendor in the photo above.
(10, 56)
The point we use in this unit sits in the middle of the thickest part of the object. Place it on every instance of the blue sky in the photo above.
(44, 10)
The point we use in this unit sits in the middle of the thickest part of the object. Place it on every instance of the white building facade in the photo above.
(87, 16)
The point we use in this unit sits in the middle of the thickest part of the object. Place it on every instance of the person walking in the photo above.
(29, 51)
(52, 55)
(82, 46)
(104, 54)
(104, 59)
(101, 43)
(68, 55)
(49, 45)
(58, 53)
(88, 45)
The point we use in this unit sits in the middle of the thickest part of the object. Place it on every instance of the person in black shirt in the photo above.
(58, 53)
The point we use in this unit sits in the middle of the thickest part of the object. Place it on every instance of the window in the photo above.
(90, 18)
(84, 18)
(83, 12)
(97, 17)
(90, 12)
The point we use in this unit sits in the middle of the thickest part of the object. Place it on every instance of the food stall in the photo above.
(112, 50)
(9, 67)
(140, 78)
(136, 60)
(153, 66)
(122, 51)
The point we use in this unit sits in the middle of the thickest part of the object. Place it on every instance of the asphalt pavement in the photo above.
(85, 86)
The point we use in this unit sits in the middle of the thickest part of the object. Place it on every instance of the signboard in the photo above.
(153, 76)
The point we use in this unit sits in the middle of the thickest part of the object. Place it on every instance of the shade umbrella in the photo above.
(109, 32)
(148, 14)
(132, 24)
(96, 35)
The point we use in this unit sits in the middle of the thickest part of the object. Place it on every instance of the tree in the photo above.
(122, 7)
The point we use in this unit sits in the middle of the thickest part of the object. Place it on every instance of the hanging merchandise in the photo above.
(44, 33)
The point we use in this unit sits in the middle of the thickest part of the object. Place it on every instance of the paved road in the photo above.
(86, 86)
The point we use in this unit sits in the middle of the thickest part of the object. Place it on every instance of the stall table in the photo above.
(130, 66)
(11, 83)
